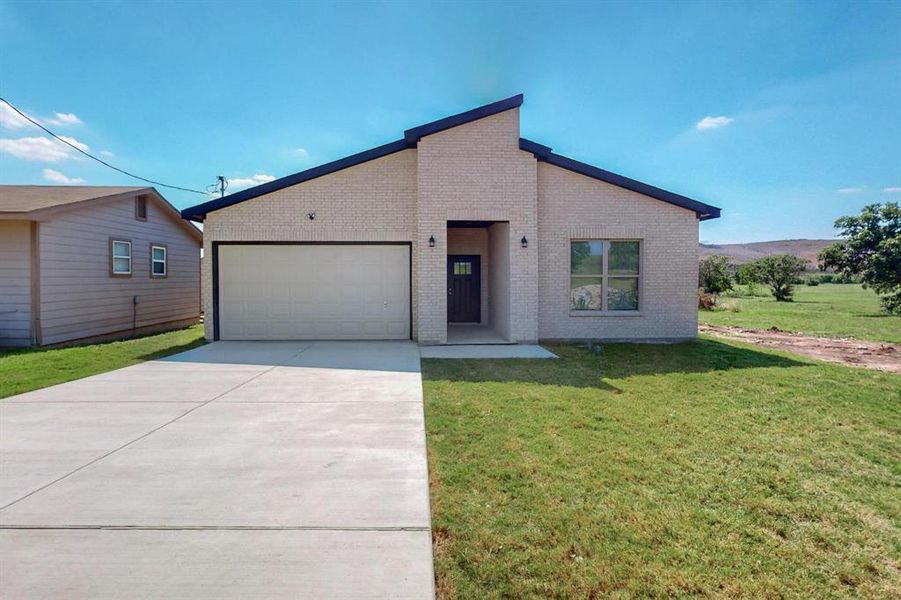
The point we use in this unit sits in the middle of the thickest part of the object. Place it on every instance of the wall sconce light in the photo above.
(524, 242)
(431, 241)
(311, 215)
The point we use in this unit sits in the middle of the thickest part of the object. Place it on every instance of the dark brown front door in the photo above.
(464, 289)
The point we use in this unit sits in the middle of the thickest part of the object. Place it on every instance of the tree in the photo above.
(779, 272)
(871, 250)
(713, 274)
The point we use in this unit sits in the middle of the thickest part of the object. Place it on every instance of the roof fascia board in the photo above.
(544, 154)
(199, 212)
(412, 136)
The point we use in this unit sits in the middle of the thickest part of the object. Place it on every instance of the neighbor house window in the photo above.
(158, 261)
(141, 207)
(120, 257)
(604, 275)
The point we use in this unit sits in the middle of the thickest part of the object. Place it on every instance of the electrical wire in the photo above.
(103, 162)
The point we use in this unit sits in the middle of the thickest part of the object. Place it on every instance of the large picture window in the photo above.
(604, 275)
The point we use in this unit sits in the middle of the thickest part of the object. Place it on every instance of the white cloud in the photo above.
(302, 152)
(35, 148)
(75, 142)
(892, 190)
(65, 119)
(10, 119)
(107, 153)
(849, 190)
(239, 183)
(41, 149)
(713, 123)
(57, 177)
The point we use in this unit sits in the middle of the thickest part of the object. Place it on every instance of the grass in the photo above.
(23, 370)
(832, 310)
(704, 468)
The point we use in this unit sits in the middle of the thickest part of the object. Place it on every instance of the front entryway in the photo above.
(464, 288)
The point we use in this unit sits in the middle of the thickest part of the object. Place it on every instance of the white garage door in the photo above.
(314, 292)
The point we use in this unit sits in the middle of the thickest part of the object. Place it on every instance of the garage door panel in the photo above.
(314, 292)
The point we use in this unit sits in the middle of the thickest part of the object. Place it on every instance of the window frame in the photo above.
(604, 277)
(139, 200)
(112, 256)
(165, 261)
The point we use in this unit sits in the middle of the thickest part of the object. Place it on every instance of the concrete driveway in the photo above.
(235, 470)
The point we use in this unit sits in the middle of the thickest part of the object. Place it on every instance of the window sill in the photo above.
(605, 313)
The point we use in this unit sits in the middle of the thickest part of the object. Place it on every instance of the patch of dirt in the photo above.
(853, 353)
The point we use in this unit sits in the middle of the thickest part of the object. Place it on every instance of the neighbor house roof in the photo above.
(411, 139)
(27, 198)
(41, 202)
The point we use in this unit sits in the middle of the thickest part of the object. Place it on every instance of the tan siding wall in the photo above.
(79, 298)
(574, 206)
(474, 242)
(15, 283)
(371, 202)
(477, 172)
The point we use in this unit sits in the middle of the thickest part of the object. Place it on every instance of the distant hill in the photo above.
(741, 253)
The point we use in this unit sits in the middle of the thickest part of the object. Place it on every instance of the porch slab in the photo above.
(486, 351)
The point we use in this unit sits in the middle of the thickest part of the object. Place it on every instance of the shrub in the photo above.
(813, 281)
(706, 301)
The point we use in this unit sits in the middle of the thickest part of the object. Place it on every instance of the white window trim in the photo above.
(164, 261)
(604, 276)
(114, 256)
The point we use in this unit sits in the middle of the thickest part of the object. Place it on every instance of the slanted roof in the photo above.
(545, 154)
(41, 202)
(411, 139)
(28, 198)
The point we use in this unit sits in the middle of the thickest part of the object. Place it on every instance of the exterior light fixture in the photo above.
(524, 242)
(431, 241)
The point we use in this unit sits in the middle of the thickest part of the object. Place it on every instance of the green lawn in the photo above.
(836, 310)
(704, 468)
(30, 369)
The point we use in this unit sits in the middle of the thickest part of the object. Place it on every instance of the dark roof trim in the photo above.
(544, 154)
(198, 212)
(414, 135)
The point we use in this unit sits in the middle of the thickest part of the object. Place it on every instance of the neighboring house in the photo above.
(460, 231)
(79, 262)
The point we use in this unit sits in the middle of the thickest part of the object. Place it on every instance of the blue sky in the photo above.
(786, 115)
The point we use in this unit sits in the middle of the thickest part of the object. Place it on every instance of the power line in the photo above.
(101, 161)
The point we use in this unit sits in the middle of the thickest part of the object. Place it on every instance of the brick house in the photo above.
(461, 231)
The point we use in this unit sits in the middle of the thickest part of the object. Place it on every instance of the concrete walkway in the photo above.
(235, 470)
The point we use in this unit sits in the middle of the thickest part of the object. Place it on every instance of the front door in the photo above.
(464, 289)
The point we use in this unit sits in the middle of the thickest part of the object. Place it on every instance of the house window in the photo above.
(604, 275)
(141, 207)
(120, 257)
(158, 261)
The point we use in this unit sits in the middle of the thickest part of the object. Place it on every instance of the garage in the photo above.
(311, 291)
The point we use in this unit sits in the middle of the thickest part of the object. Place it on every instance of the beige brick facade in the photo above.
(572, 206)
(477, 172)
